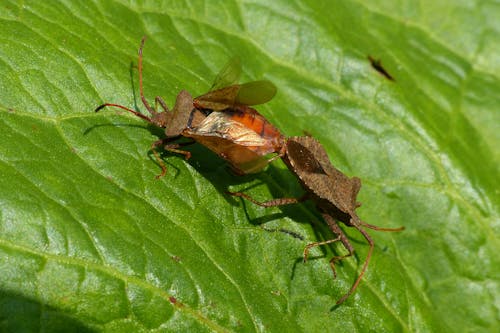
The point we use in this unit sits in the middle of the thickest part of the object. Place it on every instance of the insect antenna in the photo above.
(151, 110)
(138, 114)
(139, 65)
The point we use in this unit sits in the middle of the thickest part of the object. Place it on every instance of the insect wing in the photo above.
(221, 125)
(256, 92)
(233, 141)
(303, 159)
(217, 100)
(228, 75)
(226, 93)
(250, 93)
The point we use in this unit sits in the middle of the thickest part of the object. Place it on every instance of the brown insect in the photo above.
(220, 119)
(377, 65)
(333, 192)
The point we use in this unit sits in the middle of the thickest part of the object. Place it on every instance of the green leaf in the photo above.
(89, 240)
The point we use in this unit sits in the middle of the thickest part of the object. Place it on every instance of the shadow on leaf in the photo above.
(21, 314)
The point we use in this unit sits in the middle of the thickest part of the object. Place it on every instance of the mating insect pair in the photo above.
(223, 121)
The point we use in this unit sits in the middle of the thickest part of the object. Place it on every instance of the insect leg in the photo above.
(374, 227)
(365, 265)
(280, 154)
(173, 147)
(155, 144)
(270, 203)
(170, 147)
(334, 227)
(311, 245)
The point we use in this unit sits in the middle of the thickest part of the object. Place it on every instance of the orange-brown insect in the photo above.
(221, 120)
(237, 133)
(240, 135)
(333, 192)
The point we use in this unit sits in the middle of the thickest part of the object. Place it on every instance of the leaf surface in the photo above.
(90, 241)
